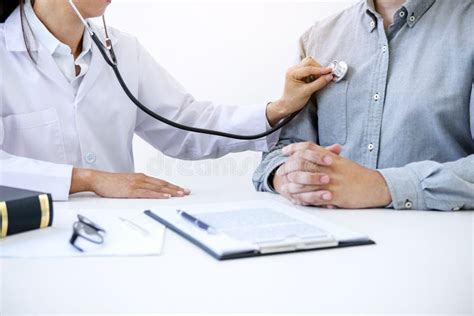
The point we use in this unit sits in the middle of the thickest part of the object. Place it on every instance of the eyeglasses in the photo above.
(88, 230)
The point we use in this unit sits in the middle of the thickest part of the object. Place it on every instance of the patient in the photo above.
(398, 131)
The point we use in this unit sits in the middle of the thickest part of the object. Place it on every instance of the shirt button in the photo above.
(402, 14)
(90, 157)
(408, 204)
(384, 48)
(412, 18)
(376, 97)
(371, 147)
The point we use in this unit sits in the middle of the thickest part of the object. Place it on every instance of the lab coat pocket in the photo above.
(332, 114)
(35, 135)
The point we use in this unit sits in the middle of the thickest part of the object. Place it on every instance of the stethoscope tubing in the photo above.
(114, 65)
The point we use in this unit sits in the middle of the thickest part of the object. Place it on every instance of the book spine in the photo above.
(3, 219)
(26, 214)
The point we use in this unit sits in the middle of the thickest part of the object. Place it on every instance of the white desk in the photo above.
(422, 263)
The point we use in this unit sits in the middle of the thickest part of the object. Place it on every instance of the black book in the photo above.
(23, 210)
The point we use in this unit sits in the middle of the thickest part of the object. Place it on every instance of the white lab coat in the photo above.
(46, 129)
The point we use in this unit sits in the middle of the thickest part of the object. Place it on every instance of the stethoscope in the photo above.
(339, 71)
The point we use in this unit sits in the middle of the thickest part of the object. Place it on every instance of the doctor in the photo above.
(66, 126)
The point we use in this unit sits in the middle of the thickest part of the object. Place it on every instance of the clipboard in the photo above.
(225, 247)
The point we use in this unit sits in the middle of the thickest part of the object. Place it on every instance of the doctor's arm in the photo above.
(166, 96)
(61, 180)
(123, 185)
(35, 175)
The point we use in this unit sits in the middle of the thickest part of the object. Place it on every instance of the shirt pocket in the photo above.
(35, 135)
(332, 114)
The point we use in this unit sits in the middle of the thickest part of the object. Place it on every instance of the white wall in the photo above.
(227, 51)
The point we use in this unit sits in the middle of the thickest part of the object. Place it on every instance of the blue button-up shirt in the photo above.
(406, 107)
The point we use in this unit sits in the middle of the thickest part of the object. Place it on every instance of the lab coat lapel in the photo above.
(15, 42)
(14, 39)
(48, 67)
(95, 69)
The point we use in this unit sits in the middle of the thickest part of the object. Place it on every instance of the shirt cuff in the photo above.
(272, 139)
(405, 189)
(268, 173)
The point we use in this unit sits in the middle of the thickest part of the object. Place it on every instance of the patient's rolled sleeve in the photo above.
(405, 188)
(263, 175)
(272, 139)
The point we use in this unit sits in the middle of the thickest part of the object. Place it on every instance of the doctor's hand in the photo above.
(123, 185)
(302, 81)
(317, 176)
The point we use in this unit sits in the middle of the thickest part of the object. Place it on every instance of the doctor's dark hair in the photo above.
(7, 7)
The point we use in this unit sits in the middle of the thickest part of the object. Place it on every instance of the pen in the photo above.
(134, 226)
(196, 222)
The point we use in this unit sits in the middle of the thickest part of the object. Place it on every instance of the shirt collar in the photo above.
(371, 14)
(48, 40)
(370, 6)
(415, 9)
(14, 37)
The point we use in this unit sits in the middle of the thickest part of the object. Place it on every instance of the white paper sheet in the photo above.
(120, 238)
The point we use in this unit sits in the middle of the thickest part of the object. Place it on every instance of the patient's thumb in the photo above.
(335, 149)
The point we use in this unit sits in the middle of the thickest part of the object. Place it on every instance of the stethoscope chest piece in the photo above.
(339, 70)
